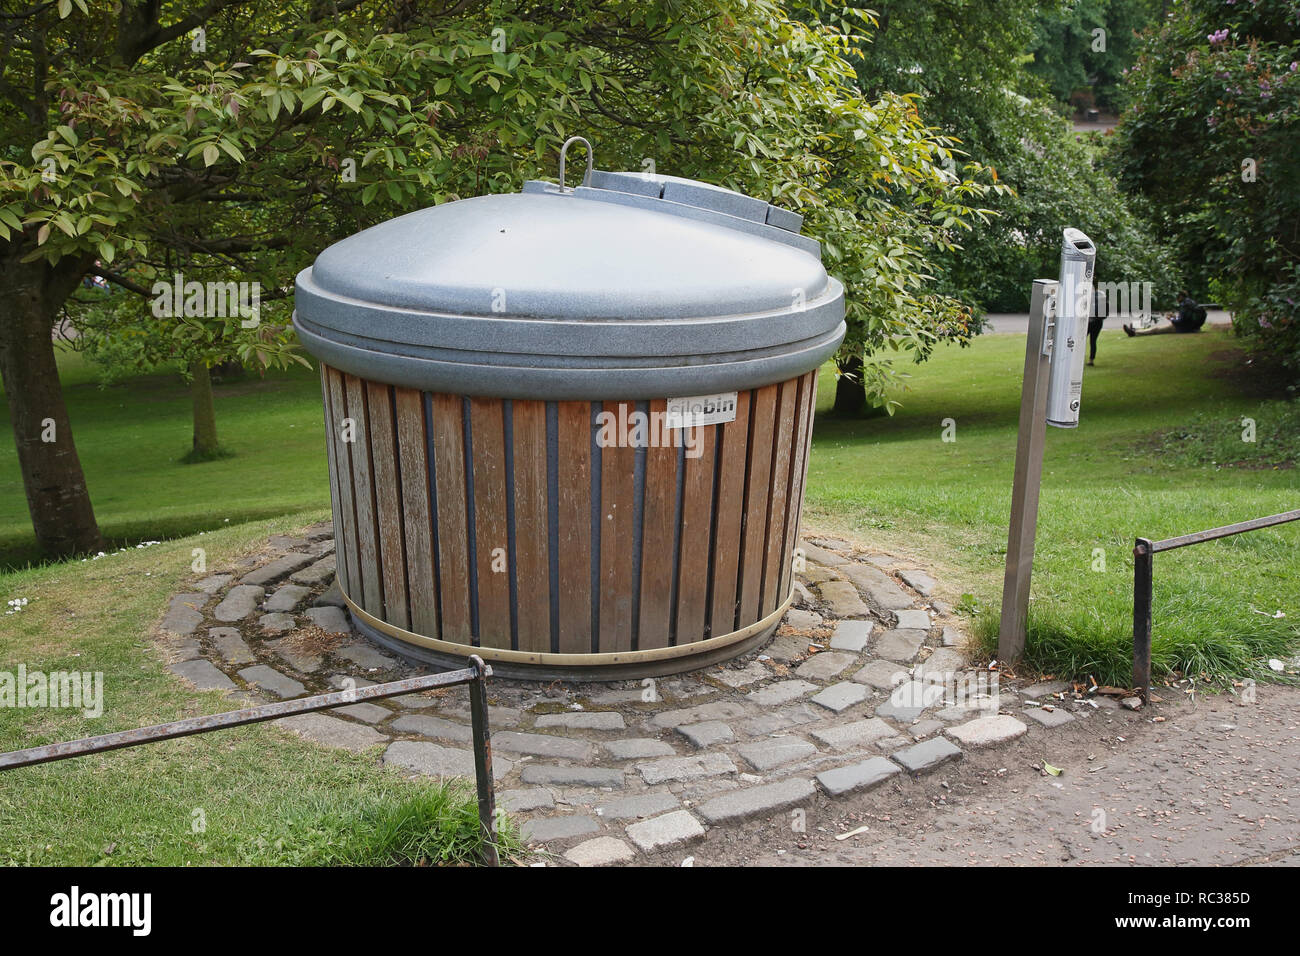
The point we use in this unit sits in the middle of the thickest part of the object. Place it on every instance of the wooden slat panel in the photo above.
(532, 551)
(574, 510)
(388, 504)
(802, 436)
(372, 596)
(491, 533)
(776, 556)
(342, 539)
(453, 534)
(412, 454)
(731, 505)
(697, 513)
(754, 530)
(658, 531)
(617, 492)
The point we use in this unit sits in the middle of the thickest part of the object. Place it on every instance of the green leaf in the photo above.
(106, 251)
(210, 154)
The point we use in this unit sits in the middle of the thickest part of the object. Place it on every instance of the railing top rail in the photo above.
(1169, 544)
(237, 718)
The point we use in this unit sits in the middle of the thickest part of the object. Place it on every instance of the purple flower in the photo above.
(1218, 36)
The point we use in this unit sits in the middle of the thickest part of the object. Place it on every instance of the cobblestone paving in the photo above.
(865, 679)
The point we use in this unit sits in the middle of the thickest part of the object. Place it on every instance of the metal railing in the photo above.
(1144, 553)
(475, 676)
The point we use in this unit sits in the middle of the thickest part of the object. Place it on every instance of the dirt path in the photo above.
(1210, 784)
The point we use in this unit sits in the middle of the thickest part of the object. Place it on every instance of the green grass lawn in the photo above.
(1158, 413)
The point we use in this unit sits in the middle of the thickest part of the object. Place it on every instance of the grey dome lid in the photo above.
(634, 286)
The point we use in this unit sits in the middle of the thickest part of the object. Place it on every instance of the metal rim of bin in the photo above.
(602, 666)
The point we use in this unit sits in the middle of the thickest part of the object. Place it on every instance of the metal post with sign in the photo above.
(1051, 395)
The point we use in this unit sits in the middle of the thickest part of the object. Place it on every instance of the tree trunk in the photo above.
(850, 394)
(31, 294)
(205, 413)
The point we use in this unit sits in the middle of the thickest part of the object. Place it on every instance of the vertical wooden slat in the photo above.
(658, 532)
(532, 550)
(388, 504)
(447, 426)
(617, 492)
(348, 559)
(574, 511)
(774, 543)
(756, 490)
(802, 437)
(491, 534)
(697, 514)
(341, 540)
(372, 595)
(730, 497)
(412, 454)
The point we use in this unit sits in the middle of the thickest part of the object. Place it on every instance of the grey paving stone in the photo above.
(890, 744)
(638, 807)
(638, 748)
(370, 713)
(906, 701)
(860, 733)
(787, 648)
(229, 643)
(840, 697)
(292, 651)
(433, 760)
(826, 665)
(707, 734)
(899, 645)
(286, 598)
(202, 674)
(436, 727)
(240, 602)
(276, 623)
(678, 769)
(213, 583)
(924, 728)
(802, 620)
(548, 776)
(330, 619)
(742, 676)
(953, 637)
(545, 829)
(521, 801)
(629, 695)
(602, 851)
(1049, 718)
(857, 777)
(332, 597)
(720, 710)
(822, 556)
(781, 692)
(772, 752)
(573, 720)
(319, 531)
(183, 613)
(283, 542)
(783, 719)
(365, 655)
(268, 678)
(665, 832)
(913, 620)
(1045, 689)
(927, 755)
(987, 731)
(941, 666)
(332, 732)
(277, 569)
(852, 636)
(883, 675)
(878, 586)
(843, 599)
(956, 714)
(541, 745)
(318, 572)
(755, 801)
(918, 581)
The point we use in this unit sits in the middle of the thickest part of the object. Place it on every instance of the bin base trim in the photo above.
(601, 659)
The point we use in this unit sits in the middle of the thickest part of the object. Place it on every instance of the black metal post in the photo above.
(1143, 569)
(487, 803)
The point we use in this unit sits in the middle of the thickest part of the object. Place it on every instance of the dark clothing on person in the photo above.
(1100, 308)
(1190, 316)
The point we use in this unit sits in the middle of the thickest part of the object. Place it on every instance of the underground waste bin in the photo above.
(568, 429)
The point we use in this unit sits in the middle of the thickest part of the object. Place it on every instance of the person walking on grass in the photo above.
(1189, 317)
(1100, 309)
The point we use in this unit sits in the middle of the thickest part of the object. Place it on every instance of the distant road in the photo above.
(1017, 323)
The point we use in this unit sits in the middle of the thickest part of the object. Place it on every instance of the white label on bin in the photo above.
(701, 410)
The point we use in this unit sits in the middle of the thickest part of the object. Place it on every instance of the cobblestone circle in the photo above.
(867, 678)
